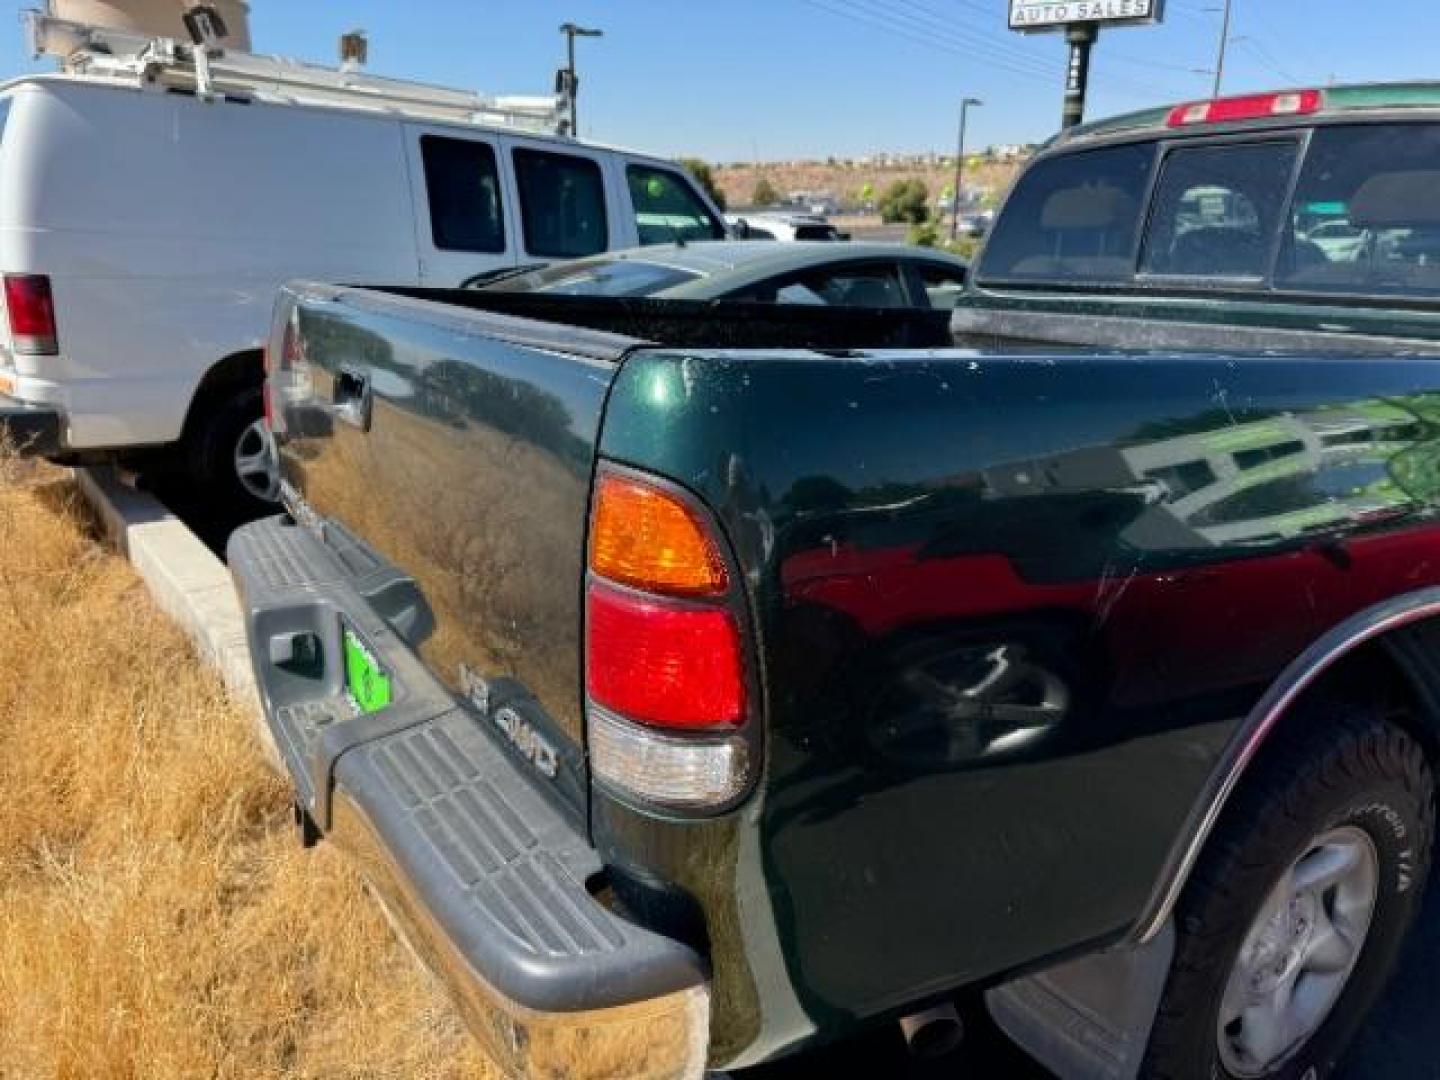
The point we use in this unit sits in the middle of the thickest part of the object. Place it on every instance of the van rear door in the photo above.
(465, 220)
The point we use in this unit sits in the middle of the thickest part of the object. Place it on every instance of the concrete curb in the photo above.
(187, 581)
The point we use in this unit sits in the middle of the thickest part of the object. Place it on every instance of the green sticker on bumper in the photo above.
(367, 682)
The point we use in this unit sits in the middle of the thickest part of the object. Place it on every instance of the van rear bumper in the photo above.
(483, 875)
(33, 430)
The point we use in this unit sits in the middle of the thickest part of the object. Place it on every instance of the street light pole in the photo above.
(960, 165)
(571, 80)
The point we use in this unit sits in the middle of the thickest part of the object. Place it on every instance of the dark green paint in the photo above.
(899, 518)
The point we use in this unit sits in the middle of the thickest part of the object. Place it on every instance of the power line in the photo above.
(1268, 60)
(944, 40)
(991, 51)
(936, 21)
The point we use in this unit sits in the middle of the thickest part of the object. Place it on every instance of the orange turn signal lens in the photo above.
(647, 538)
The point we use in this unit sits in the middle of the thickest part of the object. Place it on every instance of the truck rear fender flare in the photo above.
(1378, 625)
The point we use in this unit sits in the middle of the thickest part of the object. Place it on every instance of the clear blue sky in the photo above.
(810, 78)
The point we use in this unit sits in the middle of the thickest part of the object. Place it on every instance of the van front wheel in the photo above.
(233, 457)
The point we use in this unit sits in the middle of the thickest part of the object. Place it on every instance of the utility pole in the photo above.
(960, 165)
(569, 83)
(1224, 41)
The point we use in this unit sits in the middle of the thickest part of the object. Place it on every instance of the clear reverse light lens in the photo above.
(686, 773)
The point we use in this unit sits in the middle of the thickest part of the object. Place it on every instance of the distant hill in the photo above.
(845, 180)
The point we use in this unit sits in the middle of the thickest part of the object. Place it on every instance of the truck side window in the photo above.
(1366, 216)
(462, 184)
(667, 208)
(1072, 218)
(1217, 210)
(562, 204)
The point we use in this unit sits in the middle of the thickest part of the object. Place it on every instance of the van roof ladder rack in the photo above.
(140, 60)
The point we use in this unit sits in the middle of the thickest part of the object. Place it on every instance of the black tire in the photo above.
(211, 455)
(1349, 766)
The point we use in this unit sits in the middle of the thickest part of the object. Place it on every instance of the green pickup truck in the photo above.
(700, 683)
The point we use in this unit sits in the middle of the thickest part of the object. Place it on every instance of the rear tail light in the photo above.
(668, 665)
(31, 311)
(649, 539)
(1247, 107)
(664, 661)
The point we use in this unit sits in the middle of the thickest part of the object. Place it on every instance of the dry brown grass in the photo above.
(157, 918)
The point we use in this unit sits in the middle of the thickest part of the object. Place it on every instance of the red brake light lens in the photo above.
(1245, 107)
(31, 311)
(661, 663)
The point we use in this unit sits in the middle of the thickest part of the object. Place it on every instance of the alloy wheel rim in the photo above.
(1299, 953)
(255, 465)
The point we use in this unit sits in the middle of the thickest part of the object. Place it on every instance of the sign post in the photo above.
(1081, 20)
(1077, 73)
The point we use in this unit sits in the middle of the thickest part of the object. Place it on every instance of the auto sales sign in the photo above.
(1035, 15)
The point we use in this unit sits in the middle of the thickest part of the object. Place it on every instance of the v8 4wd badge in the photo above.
(517, 731)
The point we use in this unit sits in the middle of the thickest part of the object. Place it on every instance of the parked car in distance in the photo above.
(769, 225)
(145, 226)
(816, 273)
(725, 665)
(976, 223)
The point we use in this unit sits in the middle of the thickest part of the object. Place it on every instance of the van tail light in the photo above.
(1245, 107)
(283, 369)
(666, 689)
(31, 312)
(267, 393)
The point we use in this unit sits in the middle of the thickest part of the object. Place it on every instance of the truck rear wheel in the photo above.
(232, 458)
(1295, 917)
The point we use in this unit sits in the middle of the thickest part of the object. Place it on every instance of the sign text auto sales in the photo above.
(1029, 15)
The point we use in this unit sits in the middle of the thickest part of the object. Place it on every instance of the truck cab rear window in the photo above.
(1216, 210)
(1366, 216)
(1073, 218)
(562, 204)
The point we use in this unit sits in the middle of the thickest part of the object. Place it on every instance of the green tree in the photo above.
(905, 201)
(765, 193)
(924, 235)
(705, 177)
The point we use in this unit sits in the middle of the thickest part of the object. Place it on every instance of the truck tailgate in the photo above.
(466, 460)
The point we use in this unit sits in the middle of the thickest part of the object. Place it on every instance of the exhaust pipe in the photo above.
(932, 1033)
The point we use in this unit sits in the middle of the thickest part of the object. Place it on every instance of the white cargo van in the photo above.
(153, 198)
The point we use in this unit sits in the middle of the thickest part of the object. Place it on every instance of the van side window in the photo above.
(667, 208)
(1217, 209)
(462, 184)
(1366, 217)
(562, 204)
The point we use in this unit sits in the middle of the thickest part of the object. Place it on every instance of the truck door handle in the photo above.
(352, 398)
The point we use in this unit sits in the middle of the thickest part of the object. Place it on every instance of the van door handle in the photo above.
(352, 397)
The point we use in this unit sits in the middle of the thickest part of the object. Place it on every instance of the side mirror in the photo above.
(741, 229)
